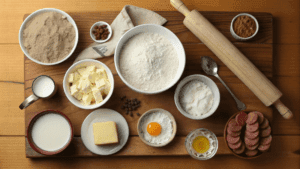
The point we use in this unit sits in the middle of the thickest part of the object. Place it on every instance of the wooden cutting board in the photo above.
(259, 51)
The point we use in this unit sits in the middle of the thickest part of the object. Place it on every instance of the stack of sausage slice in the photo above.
(249, 133)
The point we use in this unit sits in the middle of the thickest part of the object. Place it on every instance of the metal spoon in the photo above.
(210, 67)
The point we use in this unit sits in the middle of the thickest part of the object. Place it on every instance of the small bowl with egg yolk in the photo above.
(157, 124)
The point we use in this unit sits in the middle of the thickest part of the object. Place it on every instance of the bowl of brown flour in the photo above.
(48, 36)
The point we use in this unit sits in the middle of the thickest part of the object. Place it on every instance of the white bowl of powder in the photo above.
(149, 59)
(62, 38)
(197, 97)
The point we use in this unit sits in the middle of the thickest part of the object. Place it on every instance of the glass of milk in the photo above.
(42, 87)
(49, 132)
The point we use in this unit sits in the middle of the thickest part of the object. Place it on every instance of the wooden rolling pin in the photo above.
(257, 82)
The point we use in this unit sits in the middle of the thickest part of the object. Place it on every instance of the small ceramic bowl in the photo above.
(70, 19)
(141, 133)
(29, 132)
(100, 23)
(151, 28)
(225, 136)
(84, 63)
(207, 81)
(237, 36)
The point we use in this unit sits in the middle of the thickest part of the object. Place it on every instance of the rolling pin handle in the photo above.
(283, 110)
(179, 5)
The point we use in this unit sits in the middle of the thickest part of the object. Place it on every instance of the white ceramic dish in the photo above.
(140, 131)
(152, 28)
(103, 115)
(84, 63)
(70, 19)
(237, 36)
(207, 81)
(100, 23)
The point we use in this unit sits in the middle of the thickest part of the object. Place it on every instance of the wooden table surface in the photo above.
(285, 147)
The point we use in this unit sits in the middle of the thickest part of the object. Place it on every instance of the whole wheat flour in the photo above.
(49, 37)
(149, 62)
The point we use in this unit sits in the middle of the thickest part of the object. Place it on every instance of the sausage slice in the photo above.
(252, 118)
(250, 142)
(265, 124)
(251, 153)
(266, 140)
(252, 147)
(239, 150)
(264, 148)
(232, 133)
(251, 135)
(265, 132)
(241, 118)
(232, 140)
(260, 117)
(235, 146)
(252, 127)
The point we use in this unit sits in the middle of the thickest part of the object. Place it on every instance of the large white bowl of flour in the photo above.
(149, 59)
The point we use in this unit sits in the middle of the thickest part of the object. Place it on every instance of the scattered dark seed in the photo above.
(127, 112)
(127, 108)
(131, 114)
(138, 114)
(122, 107)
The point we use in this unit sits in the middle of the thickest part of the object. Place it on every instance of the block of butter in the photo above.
(105, 133)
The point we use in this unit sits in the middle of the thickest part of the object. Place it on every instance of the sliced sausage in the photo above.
(252, 127)
(241, 118)
(265, 132)
(252, 118)
(239, 150)
(232, 140)
(250, 142)
(233, 134)
(252, 147)
(260, 117)
(266, 140)
(265, 124)
(235, 146)
(264, 148)
(251, 135)
(251, 153)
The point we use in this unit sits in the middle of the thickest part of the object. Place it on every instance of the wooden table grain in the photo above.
(286, 146)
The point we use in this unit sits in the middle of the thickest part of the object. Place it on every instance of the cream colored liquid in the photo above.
(51, 132)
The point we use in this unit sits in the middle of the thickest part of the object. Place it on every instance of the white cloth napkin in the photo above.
(129, 17)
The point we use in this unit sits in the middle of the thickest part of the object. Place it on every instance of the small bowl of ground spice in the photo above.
(101, 32)
(244, 27)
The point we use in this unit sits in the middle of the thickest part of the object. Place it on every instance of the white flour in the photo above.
(196, 98)
(149, 62)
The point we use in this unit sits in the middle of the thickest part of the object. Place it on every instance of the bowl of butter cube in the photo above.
(88, 84)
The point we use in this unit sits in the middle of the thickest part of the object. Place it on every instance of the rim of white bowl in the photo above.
(94, 106)
(138, 90)
(42, 11)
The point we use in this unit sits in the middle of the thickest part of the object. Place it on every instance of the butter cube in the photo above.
(105, 89)
(102, 73)
(105, 133)
(100, 83)
(73, 89)
(93, 76)
(97, 95)
(87, 98)
(85, 85)
(90, 68)
(78, 95)
(82, 71)
(71, 77)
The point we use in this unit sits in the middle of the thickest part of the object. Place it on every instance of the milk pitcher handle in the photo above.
(28, 101)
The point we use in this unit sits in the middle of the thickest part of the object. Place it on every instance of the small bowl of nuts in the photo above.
(101, 32)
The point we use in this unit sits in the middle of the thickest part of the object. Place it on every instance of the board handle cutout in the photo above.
(179, 5)
(283, 110)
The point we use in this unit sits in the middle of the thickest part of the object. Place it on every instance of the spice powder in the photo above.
(244, 26)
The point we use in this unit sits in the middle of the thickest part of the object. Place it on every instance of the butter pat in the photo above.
(105, 133)
(87, 98)
(97, 95)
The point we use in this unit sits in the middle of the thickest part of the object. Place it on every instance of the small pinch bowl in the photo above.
(225, 136)
(70, 19)
(100, 23)
(140, 132)
(84, 63)
(237, 37)
(207, 81)
(29, 130)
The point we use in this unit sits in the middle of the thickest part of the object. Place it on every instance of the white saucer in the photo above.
(103, 115)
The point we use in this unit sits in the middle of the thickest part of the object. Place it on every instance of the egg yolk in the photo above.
(154, 128)
(201, 144)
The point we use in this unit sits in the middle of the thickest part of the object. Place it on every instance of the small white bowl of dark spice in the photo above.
(244, 27)
(100, 32)
(197, 97)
